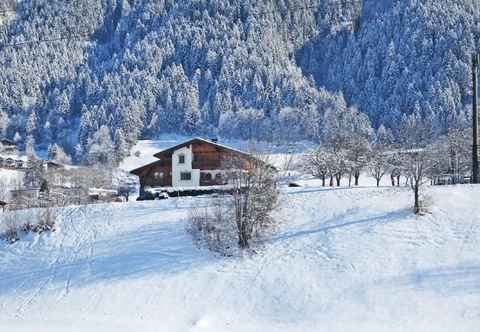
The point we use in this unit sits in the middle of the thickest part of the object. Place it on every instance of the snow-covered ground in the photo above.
(341, 260)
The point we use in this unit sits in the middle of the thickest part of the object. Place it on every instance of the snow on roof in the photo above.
(177, 146)
(185, 143)
(14, 156)
(221, 145)
(136, 170)
(403, 151)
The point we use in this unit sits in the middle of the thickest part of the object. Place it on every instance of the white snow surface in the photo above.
(341, 260)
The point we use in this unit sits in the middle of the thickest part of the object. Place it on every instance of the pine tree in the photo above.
(101, 150)
(122, 148)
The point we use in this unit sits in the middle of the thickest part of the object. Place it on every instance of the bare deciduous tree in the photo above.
(4, 189)
(416, 164)
(378, 167)
(244, 212)
(316, 163)
(254, 195)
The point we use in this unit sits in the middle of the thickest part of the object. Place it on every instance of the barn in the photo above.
(192, 164)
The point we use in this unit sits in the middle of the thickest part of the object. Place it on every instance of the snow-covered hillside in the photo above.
(341, 260)
(244, 68)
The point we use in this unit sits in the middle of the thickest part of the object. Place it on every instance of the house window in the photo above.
(158, 175)
(181, 159)
(205, 176)
(185, 176)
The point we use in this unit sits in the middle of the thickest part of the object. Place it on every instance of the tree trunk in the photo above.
(323, 180)
(350, 179)
(338, 178)
(378, 182)
(242, 236)
(398, 180)
(357, 178)
(392, 178)
(242, 240)
(416, 207)
(331, 180)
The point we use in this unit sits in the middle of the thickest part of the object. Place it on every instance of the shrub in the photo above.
(240, 217)
(17, 222)
(11, 227)
(211, 227)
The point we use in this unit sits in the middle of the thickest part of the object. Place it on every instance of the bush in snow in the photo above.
(14, 223)
(211, 227)
(11, 229)
(47, 219)
(242, 215)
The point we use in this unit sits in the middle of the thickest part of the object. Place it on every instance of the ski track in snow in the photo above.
(343, 259)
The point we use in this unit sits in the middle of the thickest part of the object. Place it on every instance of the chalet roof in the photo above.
(200, 140)
(53, 163)
(137, 171)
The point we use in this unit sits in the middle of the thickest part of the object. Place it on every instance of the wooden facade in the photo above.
(210, 159)
(156, 174)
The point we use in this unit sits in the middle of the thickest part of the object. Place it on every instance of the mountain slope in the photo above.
(143, 68)
(406, 56)
(363, 266)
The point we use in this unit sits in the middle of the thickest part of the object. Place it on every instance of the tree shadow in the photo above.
(336, 223)
(448, 281)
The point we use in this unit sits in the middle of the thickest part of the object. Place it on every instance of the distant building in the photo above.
(9, 163)
(24, 195)
(191, 164)
(7, 146)
(20, 164)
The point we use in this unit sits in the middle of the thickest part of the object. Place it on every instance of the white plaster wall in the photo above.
(186, 167)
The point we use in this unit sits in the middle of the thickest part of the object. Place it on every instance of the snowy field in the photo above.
(341, 260)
